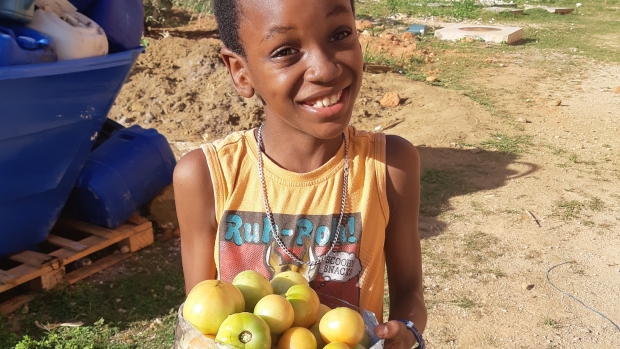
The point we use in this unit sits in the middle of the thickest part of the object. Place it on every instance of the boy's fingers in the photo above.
(390, 329)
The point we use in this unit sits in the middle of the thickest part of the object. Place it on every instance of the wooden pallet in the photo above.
(46, 270)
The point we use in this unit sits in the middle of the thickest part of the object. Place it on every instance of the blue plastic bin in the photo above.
(121, 175)
(109, 127)
(20, 45)
(50, 114)
(81, 5)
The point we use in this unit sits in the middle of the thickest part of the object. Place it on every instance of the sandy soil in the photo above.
(486, 259)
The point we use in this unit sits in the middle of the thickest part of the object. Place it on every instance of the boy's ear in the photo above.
(237, 67)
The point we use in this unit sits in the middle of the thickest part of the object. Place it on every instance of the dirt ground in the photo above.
(493, 223)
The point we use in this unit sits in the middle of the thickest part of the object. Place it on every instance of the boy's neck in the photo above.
(295, 150)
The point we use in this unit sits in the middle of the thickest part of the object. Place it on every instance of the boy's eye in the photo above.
(284, 51)
(340, 35)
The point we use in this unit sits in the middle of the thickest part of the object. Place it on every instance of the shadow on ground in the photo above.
(449, 172)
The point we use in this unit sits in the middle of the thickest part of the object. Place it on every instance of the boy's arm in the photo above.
(402, 244)
(195, 205)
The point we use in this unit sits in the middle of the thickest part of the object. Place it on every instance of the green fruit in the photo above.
(254, 286)
(245, 331)
(306, 305)
(281, 282)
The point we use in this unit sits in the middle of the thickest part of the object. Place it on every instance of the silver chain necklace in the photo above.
(274, 229)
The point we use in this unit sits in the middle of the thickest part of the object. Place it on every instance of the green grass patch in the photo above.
(439, 264)
(555, 150)
(465, 9)
(596, 204)
(194, 5)
(479, 241)
(568, 209)
(100, 335)
(507, 144)
(596, 21)
(464, 303)
(479, 247)
(573, 158)
(547, 321)
(174, 13)
(134, 309)
(478, 207)
(203, 6)
(476, 273)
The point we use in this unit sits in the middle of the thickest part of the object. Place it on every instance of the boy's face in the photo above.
(304, 59)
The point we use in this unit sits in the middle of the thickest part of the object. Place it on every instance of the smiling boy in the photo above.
(305, 191)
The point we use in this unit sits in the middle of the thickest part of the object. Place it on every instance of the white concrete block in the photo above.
(558, 10)
(509, 35)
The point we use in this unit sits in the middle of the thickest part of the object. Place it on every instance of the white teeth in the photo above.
(328, 101)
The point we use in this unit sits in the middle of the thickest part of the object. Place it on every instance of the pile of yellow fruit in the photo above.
(285, 313)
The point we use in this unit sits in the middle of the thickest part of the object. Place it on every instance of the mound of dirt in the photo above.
(182, 88)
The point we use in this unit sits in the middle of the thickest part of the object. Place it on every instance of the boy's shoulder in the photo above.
(237, 138)
(356, 133)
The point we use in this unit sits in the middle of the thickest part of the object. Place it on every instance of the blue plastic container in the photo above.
(81, 5)
(50, 114)
(109, 126)
(121, 20)
(417, 29)
(21, 45)
(17, 10)
(121, 175)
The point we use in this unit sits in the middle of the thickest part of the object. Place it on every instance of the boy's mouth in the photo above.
(324, 102)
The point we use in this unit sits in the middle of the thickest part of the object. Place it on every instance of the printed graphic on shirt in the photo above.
(246, 242)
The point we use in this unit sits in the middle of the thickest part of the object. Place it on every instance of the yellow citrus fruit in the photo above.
(323, 309)
(306, 305)
(365, 342)
(297, 338)
(320, 343)
(342, 325)
(209, 303)
(277, 312)
(336, 345)
(238, 297)
(281, 282)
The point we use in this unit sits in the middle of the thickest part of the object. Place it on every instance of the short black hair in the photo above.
(227, 16)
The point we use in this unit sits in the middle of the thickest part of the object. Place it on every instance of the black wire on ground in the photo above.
(577, 300)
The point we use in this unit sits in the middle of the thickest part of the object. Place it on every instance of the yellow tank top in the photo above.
(306, 207)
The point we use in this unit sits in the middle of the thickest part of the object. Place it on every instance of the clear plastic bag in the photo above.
(188, 337)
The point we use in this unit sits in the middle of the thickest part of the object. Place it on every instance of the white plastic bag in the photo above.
(75, 35)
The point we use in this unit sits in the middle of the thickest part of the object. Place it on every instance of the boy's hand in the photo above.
(396, 335)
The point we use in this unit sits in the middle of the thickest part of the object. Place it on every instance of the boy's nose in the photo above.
(321, 68)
